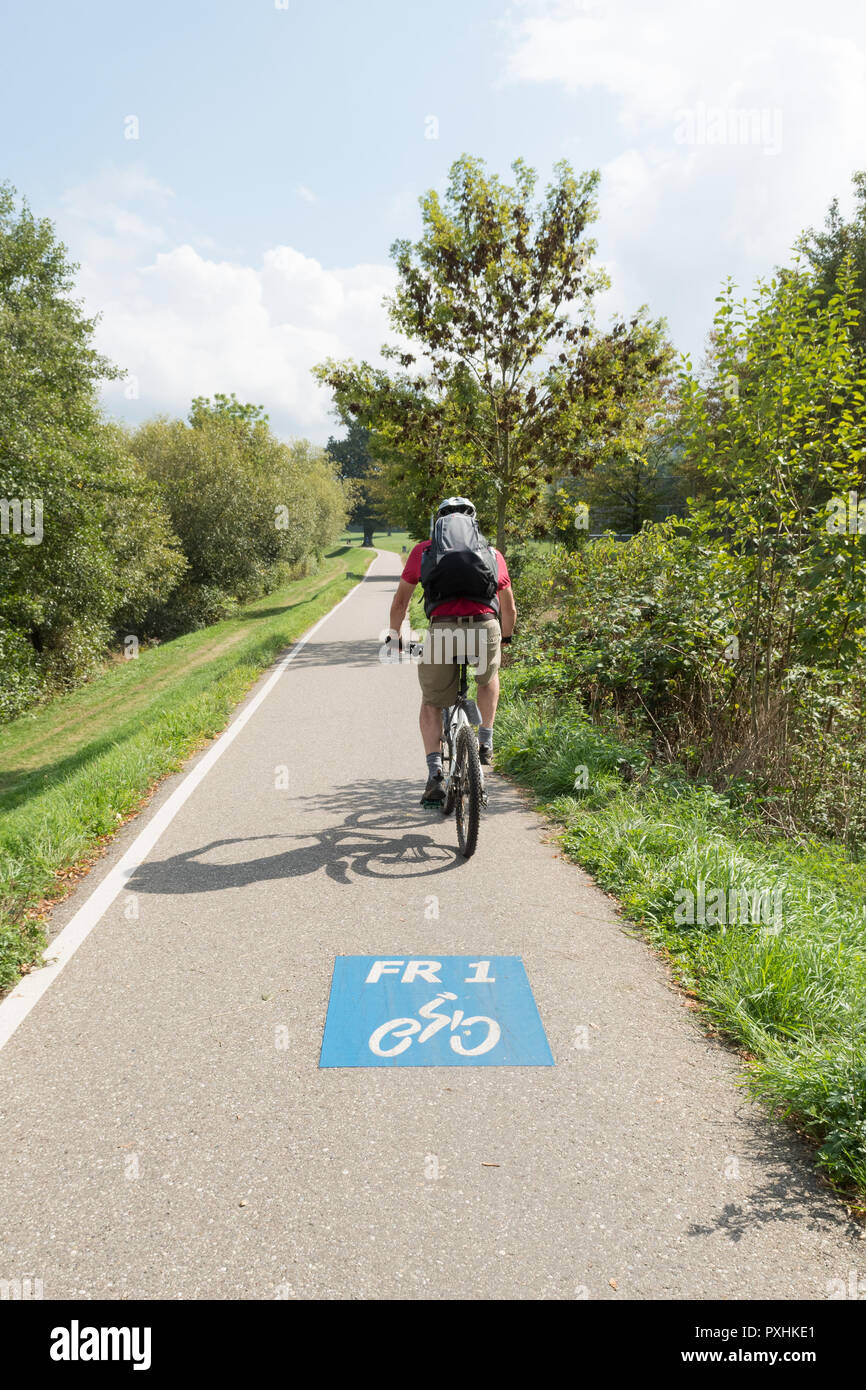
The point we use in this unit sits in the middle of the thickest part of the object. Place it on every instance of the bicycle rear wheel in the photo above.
(468, 790)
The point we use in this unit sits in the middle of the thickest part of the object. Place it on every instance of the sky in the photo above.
(230, 174)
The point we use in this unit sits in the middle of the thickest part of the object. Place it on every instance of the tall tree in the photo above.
(356, 466)
(105, 544)
(244, 503)
(838, 240)
(783, 454)
(510, 381)
(629, 487)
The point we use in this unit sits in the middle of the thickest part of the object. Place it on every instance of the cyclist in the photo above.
(475, 593)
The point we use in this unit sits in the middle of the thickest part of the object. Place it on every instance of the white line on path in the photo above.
(17, 1005)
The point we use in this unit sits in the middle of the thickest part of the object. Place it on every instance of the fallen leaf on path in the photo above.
(612, 1283)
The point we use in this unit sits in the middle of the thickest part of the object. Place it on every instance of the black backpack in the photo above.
(459, 563)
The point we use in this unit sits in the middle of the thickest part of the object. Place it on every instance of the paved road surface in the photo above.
(634, 1159)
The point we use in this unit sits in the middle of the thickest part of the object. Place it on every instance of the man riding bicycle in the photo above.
(471, 610)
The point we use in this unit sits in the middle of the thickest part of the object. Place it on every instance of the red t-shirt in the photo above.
(458, 607)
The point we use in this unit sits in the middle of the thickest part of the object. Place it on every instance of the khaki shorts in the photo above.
(448, 643)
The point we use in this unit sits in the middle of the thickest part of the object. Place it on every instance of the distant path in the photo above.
(634, 1159)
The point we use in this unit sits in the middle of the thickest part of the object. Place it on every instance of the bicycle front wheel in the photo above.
(447, 763)
(468, 790)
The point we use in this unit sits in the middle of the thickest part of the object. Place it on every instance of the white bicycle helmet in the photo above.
(456, 504)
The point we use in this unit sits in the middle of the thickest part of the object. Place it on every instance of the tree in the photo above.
(779, 433)
(633, 484)
(246, 506)
(352, 457)
(106, 544)
(217, 493)
(513, 382)
(419, 453)
(319, 498)
(249, 420)
(827, 250)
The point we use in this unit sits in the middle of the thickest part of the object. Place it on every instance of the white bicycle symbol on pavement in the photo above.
(406, 1028)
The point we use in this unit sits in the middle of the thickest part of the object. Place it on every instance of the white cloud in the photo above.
(185, 322)
(693, 190)
(656, 58)
(306, 193)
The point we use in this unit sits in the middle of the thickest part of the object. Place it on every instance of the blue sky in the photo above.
(244, 234)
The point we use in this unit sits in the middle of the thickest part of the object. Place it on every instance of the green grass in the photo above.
(73, 770)
(396, 541)
(791, 992)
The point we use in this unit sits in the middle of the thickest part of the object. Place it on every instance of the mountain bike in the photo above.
(465, 793)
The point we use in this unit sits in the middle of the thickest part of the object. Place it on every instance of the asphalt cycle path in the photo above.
(166, 1130)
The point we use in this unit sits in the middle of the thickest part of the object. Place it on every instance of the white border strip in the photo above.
(17, 1005)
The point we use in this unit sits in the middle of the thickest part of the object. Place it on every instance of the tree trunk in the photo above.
(500, 522)
(502, 499)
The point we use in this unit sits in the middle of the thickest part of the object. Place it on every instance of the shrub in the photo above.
(22, 681)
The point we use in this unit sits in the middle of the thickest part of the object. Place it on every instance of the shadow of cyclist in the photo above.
(364, 844)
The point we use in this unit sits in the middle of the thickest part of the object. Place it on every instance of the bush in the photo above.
(647, 635)
(21, 682)
(188, 608)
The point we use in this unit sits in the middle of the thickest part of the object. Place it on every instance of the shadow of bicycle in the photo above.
(381, 835)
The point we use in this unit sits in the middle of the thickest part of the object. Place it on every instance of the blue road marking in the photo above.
(442, 1011)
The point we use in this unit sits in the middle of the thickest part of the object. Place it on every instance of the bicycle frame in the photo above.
(463, 711)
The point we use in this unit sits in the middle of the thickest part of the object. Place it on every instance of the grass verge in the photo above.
(383, 540)
(74, 770)
(788, 989)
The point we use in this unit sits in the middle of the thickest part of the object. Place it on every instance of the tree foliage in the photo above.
(246, 506)
(510, 382)
(839, 240)
(105, 534)
(106, 545)
(370, 506)
(735, 635)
